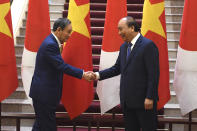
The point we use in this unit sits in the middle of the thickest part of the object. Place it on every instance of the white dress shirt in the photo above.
(133, 41)
(56, 39)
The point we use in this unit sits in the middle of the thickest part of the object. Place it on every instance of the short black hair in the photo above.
(61, 22)
(131, 22)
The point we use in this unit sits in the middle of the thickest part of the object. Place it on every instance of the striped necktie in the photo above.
(129, 50)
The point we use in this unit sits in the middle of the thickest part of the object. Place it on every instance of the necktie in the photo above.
(129, 50)
(61, 49)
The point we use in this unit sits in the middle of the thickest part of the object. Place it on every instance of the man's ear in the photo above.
(59, 29)
(132, 28)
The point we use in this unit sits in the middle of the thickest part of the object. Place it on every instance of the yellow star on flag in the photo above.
(4, 9)
(77, 16)
(150, 21)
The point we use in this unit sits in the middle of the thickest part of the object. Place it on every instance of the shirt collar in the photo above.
(56, 39)
(133, 41)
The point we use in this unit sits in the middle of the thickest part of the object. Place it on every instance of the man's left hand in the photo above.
(148, 104)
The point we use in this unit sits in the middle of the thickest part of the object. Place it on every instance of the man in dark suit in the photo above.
(138, 64)
(46, 86)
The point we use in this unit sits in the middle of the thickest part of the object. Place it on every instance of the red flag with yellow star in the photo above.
(154, 28)
(77, 94)
(8, 71)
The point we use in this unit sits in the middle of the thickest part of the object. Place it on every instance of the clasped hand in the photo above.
(89, 76)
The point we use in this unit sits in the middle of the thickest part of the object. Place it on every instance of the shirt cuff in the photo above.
(97, 75)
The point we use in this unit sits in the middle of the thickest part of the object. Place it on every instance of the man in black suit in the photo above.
(46, 85)
(138, 64)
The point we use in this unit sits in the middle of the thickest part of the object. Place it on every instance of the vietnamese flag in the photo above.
(154, 28)
(37, 29)
(77, 94)
(8, 71)
(108, 90)
(185, 79)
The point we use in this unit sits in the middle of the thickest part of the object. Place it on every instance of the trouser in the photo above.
(136, 119)
(45, 117)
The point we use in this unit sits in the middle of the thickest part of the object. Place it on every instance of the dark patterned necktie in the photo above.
(129, 50)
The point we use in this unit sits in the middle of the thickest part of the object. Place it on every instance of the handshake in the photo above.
(90, 76)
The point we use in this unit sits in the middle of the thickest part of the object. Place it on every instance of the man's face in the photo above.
(124, 31)
(65, 34)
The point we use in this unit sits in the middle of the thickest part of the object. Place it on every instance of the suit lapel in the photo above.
(53, 38)
(124, 50)
(133, 52)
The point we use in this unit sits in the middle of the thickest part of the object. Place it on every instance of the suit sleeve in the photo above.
(112, 71)
(152, 66)
(53, 56)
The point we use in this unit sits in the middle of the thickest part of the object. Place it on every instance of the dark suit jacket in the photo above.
(47, 80)
(139, 74)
